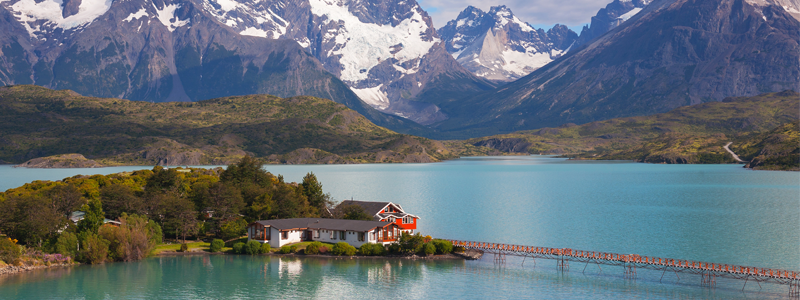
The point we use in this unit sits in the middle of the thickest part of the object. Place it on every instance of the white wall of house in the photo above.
(350, 237)
(323, 235)
(292, 236)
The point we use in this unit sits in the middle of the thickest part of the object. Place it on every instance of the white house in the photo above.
(356, 233)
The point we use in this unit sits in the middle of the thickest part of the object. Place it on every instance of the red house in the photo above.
(387, 212)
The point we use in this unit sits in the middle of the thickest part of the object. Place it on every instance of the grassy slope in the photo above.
(692, 134)
(38, 122)
(778, 149)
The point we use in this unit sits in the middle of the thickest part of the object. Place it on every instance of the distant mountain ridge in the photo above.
(387, 52)
(673, 53)
(498, 46)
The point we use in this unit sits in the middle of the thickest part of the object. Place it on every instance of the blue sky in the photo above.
(539, 13)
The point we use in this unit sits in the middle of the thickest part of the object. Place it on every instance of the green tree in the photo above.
(93, 218)
(30, 218)
(118, 199)
(410, 244)
(65, 198)
(352, 212)
(162, 179)
(95, 249)
(232, 228)
(67, 244)
(319, 201)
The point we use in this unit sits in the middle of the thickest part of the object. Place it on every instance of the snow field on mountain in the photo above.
(27, 11)
(140, 13)
(363, 46)
(249, 18)
(373, 96)
(167, 15)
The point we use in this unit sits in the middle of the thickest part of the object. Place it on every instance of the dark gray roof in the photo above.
(371, 208)
(319, 223)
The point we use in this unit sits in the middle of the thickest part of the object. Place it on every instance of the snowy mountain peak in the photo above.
(499, 46)
(41, 18)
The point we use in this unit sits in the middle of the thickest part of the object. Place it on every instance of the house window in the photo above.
(360, 236)
(391, 219)
(343, 235)
(333, 235)
(284, 235)
(316, 233)
(408, 220)
(389, 209)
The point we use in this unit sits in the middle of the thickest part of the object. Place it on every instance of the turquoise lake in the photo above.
(715, 213)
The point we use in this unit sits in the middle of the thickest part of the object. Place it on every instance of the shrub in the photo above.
(394, 248)
(370, 249)
(285, 250)
(95, 249)
(9, 250)
(313, 248)
(238, 248)
(343, 248)
(428, 249)
(323, 250)
(216, 245)
(458, 249)
(443, 247)
(184, 247)
(265, 248)
(67, 244)
(410, 244)
(253, 248)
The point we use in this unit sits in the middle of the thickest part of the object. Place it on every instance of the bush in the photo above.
(285, 250)
(370, 249)
(343, 249)
(410, 244)
(67, 244)
(265, 248)
(253, 248)
(443, 247)
(216, 245)
(9, 250)
(184, 248)
(394, 248)
(238, 248)
(428, 249)
(458, 249)
(95, 249)
(313, 248)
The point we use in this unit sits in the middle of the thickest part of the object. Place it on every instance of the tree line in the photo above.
(151, 205)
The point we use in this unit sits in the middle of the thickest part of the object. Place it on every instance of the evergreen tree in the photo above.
(93, 218)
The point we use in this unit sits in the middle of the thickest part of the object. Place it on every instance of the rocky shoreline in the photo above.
(467, 256)
(9, 269)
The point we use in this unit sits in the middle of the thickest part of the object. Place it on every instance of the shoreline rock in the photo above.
(9, 269)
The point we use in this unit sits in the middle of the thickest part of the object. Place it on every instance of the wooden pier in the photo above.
(630, 262)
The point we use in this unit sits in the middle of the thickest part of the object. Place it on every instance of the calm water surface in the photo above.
(715, 213)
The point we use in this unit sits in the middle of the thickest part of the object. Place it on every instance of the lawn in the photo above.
(177, 246)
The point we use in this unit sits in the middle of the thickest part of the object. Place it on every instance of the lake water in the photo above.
(714, 213)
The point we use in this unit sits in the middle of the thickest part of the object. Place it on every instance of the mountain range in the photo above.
(672, 53)
(482, 73)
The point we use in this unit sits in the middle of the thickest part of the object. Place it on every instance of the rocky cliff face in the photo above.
(386, 51)
(614, 14)
(673, 53)
(499, 46)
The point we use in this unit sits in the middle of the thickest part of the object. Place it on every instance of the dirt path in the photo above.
(736, 157)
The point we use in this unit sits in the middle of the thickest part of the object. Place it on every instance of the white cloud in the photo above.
(548, 12)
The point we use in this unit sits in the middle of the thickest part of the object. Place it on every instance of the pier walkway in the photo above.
(630, 262)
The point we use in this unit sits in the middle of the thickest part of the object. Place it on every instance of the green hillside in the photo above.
(39, 122)
(691, 134)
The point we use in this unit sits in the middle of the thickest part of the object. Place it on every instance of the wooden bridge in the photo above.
(630, 262)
